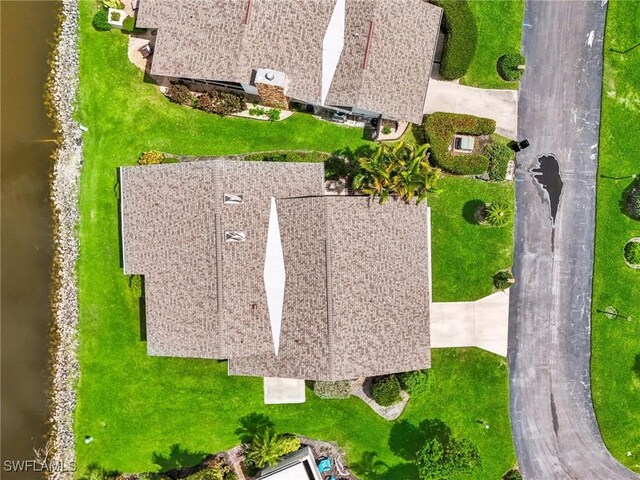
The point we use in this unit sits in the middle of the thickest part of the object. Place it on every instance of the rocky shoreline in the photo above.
(67, 162)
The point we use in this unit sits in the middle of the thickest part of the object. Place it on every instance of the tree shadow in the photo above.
(469, 210)
(372, 468)
(177, 458)
(406, 439)
(252, 424)
(96, 472)
(624, 200)
(636, 366)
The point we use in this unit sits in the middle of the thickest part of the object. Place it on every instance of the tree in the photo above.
(401, 170)
(267, 447)
(498, 214)
(441, 459)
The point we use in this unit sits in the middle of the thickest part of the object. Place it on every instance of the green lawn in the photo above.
(499, 32)
(457, 241)
(137, 407)
(615, 362)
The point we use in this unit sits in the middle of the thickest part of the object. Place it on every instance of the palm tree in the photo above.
(267, 447)
(498, 214)
(374, 173)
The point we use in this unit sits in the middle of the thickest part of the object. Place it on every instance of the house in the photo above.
(299, 465)
(365, 57)
(251, 262)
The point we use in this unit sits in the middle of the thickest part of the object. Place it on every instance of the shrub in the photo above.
(440, 129)
(513, 474)
(287, 156)
(386, 390)
(101, 21)
(135, 284)
(341, 389)
(443, 459)
(115, 16)
(152, 157)
(267, 447)
(508, 66)
(221, 103)
(459, 24)
(257, 111)
(503, 280)
(129, 24)
(274, 114)
(416, 382)
(498, 214)
(632, 252)
(632, 204)
(386, 130)
(179, 93)
(218, 470)
(499, 157)
(337, 166)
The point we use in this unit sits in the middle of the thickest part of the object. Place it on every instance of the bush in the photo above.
(341, 389)
(416, 382)
(115, 16)
(503, 280)
(386, 390)
(459, 24)
(152, 157)
(499, 157)
(287, 156)
(440, 129)
(632, 253)
(386, 130)
(221, 103)
(513, 474)
(274, 114)
(129, 24)
(498, 214)
(443, 459)
(508, 66)
(337, 166)
(135, 284)
(632, 204)
(101, 21)
(179, 93)
(257, 112)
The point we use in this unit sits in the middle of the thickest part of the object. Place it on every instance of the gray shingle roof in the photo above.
(357, 291)
(209, 40)
(356, 298)
(200, 291)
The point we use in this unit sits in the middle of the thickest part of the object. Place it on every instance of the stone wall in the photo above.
(272, 96)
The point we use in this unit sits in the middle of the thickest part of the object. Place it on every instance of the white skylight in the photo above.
(332, 47)
(274, 275)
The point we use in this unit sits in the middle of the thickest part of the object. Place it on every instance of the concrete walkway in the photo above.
(450, 96)
(283, 390)
(483, 323)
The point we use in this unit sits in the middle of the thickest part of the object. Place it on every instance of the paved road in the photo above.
(555, 431)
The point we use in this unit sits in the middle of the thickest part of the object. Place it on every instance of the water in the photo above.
(27, 29)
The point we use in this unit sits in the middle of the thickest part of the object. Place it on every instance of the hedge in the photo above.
(416, 382)
(499, 157)
(386, 390)
(179, 93)
(129, 24)
(101, 21)
(459, 25)
(440, 129)
(288, 156)
(221, 103)
(341, 389)
(508, 66)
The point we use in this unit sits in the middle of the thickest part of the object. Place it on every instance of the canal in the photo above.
(27, 29)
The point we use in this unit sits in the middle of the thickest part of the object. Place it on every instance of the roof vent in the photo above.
(234, 236)
(233, 199)
(269, 76)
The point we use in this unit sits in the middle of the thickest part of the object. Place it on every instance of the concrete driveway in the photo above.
(483, 323)
(450, 96)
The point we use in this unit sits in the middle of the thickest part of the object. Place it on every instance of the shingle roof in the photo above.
(357, 291)
(209, 40)
(199, 289)
(356, 298)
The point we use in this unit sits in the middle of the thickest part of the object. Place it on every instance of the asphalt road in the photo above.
(554, 426)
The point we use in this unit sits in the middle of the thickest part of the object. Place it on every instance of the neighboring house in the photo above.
(251, 262)
(299, 465)
(368, 57)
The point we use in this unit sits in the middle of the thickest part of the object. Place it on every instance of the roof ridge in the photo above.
(217, 237)
(329, 284)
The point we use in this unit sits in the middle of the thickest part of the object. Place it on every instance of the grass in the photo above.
(466, 256)
(149, 413)
(615, 365)
(499, 32)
